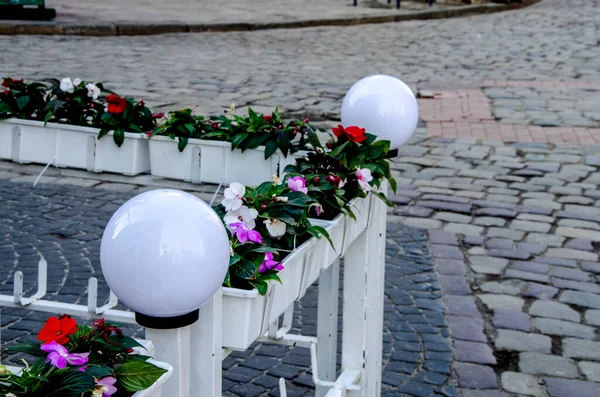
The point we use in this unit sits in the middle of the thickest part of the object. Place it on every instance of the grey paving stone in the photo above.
(461, 305)
(575, 200)
(451, 199)
(546, 239)
(489, 221)
(473, 352)
(578, 233)
(582, 349)
(445, 206)
(507, 287)
(522, 384)
(591, 266)
(450, 266)
(454, 285)
(544, 364)
(558, 387)
(581, 245)
(522, 342)
(499, 243)
(583, 299)
(563, 328)
(452, 217)
(529, 209)
(577, 215)
(421, 223)
(505, 302)
(576, 285)
(591, 370)
(487, 265)
(556, 261)
(512, 319)
(443, 238)
(446, 251)
(592, 317)
(512, 273)
(496, 212)
(565, 191)
(540, 291)
(587, 210)
(493, 204)
(592, 160)
(528, 226)
(531, 267)
(536, 218)
(505, 233)
(573, 274)
(472, 376)
(483, 393)
(510, 254)
(473, 240)
(458, 228)
(572, 254)
(413, 211)
(544, 308)
(466, 328)
(595, 194)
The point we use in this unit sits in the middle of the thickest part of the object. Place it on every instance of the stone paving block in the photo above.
(565, 191)
(472, 376)
(493, 204)
(466, 328)
(556, 261)
(522, 384)
(417, 389)
(564, 328)
(531, 267)
(443, 238)
(510, 254)
(454, 285)
(523, 342)
(575, 200)
(544, 308)
(577, 215)
(413, 211)
(536, 218)
(572, 254)
(582, 349)
(587, 210)
(450, 266)
(583, 299)
(595, 194)
(496, 212)
(503, 198)
(545, 364)
(512, 273)
(581, 245)
(507, 287)
(540, 291)
(77, 182)
(451, 199)
(473, 352)
(422, 223)
(461, 305)
(489, 221)
(463, 229)
(499, 243)
(592, 160)
(576, 285)
(529, 209)
(546, 239)
(528, 226)
(473, 240)
(488, 265)
(451, 217)
(578, 233)
(591, 266)
(573, 274)
(483, 393)
(591, 370)
(592, 317)
(558, 387)
(446, 251)
(445, 206)
(512, 319)
(504, 302)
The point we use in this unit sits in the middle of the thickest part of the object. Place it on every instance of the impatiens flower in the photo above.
(275, 180)
(231, 108)
(82, 369)
(269, 264)
(66, 85)
(353, 133)
(105, 387)
(319, 209)
(297, 184)
(116, 104)
(242, 214)
(76, 82)
(58, 329)
(244, 233)
(364, 177)
(275, 227)
(93, 90)
(268, 118)
(233, 196)
(59, 355)
(158, 115)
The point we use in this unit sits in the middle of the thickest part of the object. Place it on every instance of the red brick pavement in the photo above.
(467, 113)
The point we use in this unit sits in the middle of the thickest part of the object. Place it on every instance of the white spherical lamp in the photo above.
(384, 106)
(165, 253)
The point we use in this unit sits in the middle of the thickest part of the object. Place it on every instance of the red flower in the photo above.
(268, 118)
(9, 82)
(58, 329)
(353, 133)
(158, 115)
(116, 104)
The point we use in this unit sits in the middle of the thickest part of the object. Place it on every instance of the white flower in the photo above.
(93, 90)
(242, 214)
(76, 82)
(275, 180)
(66, 85)
(233, 196)
(281, 199)
(231, 109)
(364, 177)
(10, 395)
(275, 227)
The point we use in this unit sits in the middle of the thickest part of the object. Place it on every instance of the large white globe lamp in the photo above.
(384, 106)
(165, 253)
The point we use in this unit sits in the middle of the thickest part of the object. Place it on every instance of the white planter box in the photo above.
(246, 314)
(204, 161)
(6, 140)
(74, 147)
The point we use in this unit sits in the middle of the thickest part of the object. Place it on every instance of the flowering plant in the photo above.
(352, 164)
(76, 361)
(22, 100)
(73, 102)
(265, 224)
(124, 114)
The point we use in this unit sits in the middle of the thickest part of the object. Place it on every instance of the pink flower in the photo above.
(158, 115)
(244, 233)
(105, 387)
(269, 264)
(297, 184)
(364, 177)
(59, 355)
(149, 134)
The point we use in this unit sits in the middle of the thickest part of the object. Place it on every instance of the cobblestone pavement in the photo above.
(507, 184)
(63, 224)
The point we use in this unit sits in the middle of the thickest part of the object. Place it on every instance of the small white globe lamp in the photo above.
(385, 107)
(165, 253)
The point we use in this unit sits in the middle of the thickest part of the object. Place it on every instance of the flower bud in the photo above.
(317, 179)
(263, 206)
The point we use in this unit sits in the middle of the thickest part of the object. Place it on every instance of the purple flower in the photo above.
(244, 233)
(269, 264)
(59, 355)
(105, 387)
(297, 184)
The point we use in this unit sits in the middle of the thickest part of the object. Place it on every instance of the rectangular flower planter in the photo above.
(247, 314)
(74, 147)
(204, 161)
(6, 141)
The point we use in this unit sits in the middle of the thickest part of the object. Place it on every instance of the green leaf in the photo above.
(244, 269)
(270, 148)
(28, 348)
(138, 375)
(190, 128)
(339, 149)
(183, 141)
(237, 139)
(22, 102)
(270, 275)
(318, 231)
(313, 139)
(98, 371)
(72, 383)
(119, 136)
(255, 141)
(261, 286)
(125, 342)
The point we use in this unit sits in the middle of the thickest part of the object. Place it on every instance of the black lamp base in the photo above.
(167, 322)
(393, 153)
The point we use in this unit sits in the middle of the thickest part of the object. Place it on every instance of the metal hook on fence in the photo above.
(92, 302)
(44, 170)
(41, 290)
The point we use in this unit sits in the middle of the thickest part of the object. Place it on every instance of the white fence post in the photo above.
(327, 325)
(173, 346)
